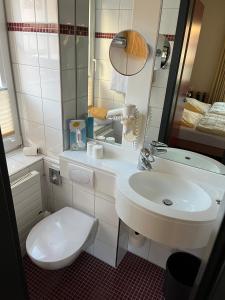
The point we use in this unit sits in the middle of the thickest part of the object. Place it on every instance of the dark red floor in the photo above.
(90, 278)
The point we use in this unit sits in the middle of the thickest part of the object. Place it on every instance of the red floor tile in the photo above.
(90, 278)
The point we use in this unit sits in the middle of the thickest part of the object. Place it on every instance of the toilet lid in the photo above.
(59, 235)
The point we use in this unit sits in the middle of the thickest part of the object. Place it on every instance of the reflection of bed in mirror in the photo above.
(202, 128)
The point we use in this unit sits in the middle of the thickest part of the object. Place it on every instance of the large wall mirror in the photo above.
(90, 84)
(187, 103)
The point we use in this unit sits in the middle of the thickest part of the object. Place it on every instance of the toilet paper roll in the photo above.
(30, 151)
(136, 239)
(90, 146)
(97, 152)
(100, 138)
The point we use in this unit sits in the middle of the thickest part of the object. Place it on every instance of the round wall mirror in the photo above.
(162, 52)
(128, 52)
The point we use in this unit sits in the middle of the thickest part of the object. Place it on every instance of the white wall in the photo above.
(168, 25)
(35, 58)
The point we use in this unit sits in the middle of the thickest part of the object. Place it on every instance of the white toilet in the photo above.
(56, 241)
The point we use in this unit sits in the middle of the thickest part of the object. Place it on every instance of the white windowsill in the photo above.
(17, 161)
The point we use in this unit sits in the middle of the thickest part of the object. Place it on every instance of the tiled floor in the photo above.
(90, 278)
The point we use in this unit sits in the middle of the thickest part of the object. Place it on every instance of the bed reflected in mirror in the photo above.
(193, 110)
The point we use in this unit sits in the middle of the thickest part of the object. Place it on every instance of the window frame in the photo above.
(13, 141)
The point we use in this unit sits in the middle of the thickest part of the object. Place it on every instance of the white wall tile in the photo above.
(62, 194)
(142, 251)
(98, 4)
(159, 254)
(157, 97)
(107, 104)
(83, 199)
(68, 84)
(27, 79)
(48, 50)
(69, 111)
(67, 46)
(50, 84)
(109, 4)
(152, 134)
(171, 3)
(82, 106)
(168, 22)
(67, 12)
(103, 89)
(33, 134)
(90, 250)
(23, 47)
(53, 140)
(125, 19)
(126, 4)
(82, 51)
(160, 78)
(30, 107)
(103, 69)
(104, 252)
(82, 17)
(107, 20)
(102, 48)
(52, 114)
(82, 79)
(46, 11)
(105, 211)
(107, 234)
(20, 11)
(156, 115)
(104, 183)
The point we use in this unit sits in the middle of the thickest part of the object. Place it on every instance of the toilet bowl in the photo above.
(56, 241)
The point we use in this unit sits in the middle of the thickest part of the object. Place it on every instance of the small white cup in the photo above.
(100, 138)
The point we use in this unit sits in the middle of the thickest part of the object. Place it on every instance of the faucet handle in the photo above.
(158, 144)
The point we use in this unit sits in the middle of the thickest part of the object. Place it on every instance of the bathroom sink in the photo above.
(166, 208)
(167, 190)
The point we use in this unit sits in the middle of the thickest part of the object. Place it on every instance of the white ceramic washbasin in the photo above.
(167, 190)
(166, 208)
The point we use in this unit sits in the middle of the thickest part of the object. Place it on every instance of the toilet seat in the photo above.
(58, 239)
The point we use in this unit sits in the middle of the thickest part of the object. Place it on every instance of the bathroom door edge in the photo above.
(12, 278)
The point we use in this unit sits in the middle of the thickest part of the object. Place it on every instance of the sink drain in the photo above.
(167, 202)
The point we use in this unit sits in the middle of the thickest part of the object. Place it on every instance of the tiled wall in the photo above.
(111, 18)
(169, 16)
(34, 46)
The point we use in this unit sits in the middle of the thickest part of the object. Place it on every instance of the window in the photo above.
(8, 109)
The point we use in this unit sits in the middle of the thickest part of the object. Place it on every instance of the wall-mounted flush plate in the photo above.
(54, 176)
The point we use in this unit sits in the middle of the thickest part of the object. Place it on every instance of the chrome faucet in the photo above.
(146, 157)
(158, 147)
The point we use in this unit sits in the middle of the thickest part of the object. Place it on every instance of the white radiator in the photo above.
(27, 199)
